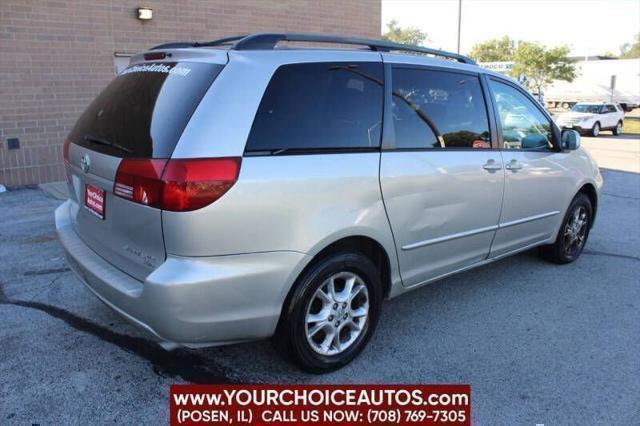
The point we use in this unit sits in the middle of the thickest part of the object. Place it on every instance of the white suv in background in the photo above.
(592, 118)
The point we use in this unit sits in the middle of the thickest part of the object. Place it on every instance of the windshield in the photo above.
(144, 110)
(591, 109)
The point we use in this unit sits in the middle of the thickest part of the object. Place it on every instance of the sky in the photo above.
(588, 27)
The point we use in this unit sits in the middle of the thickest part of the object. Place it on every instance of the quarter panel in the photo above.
(297, 203)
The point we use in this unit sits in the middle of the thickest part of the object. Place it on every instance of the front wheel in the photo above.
(573, 233)
(332, 312)
(617, 131)
(595, 130)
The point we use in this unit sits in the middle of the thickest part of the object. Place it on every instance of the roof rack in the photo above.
(268, 41)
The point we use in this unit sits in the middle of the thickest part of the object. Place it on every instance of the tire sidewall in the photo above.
(311, 280)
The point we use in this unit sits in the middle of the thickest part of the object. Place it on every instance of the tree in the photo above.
(496, 50)
(541, 65)
(408, 35)
(628, 51)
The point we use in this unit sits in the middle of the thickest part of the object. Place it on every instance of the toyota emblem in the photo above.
(85, 163)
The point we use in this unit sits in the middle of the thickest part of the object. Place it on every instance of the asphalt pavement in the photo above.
(539, 343)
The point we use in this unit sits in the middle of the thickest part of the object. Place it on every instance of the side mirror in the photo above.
(570, 139)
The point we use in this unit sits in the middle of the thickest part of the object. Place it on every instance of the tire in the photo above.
(296, 324)
(617, 131)
(595, 130)
(572, 236)
(565, 105)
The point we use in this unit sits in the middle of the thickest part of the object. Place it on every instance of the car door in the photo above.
(441, 180)
(612, 116)
(538, 184)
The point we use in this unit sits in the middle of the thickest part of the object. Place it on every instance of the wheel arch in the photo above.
(366, 245)
(590, 191)
(363, 244)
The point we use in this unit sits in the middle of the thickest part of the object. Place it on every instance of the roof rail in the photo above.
(267, 41)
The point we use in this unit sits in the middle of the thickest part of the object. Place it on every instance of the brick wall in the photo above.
(55, 56)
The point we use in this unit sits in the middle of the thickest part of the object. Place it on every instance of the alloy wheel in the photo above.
(337, 313)
(575, 232)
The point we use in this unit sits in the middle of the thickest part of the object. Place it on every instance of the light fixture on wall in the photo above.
(145, 13)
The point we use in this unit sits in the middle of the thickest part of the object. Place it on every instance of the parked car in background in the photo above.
(598, 81)
(591, 118)
(234, 190)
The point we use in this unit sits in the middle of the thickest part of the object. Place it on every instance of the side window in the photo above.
(524, 126)
(612, 108)
(438, 109)
(320, 106)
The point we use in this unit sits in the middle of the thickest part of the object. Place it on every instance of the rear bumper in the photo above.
(201, 301)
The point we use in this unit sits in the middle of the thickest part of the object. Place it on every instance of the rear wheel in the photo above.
(595, 130)
(332, 312)
(617, 131)
(573, 233)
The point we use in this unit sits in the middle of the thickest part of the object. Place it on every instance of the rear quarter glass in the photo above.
(144, 110)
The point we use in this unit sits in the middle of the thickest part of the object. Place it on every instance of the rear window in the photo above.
(144, 110)
(320, 106)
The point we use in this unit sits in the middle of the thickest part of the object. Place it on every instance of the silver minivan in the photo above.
(250, 187)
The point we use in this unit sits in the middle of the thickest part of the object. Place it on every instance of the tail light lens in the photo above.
(140, 180)
(176, 185)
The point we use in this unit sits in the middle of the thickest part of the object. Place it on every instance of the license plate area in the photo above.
(94, 200)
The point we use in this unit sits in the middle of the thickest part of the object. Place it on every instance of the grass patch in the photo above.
(631, 127)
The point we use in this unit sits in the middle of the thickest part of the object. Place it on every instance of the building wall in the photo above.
(55, 56)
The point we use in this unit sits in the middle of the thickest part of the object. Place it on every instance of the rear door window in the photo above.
(439, 109)
(144, 110)
(320, 106)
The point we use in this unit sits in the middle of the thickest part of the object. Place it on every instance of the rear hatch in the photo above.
(139, 115)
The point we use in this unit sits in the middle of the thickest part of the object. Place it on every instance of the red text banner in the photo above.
(320, 404)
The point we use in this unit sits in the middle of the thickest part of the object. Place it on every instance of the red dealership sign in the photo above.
(320, 404)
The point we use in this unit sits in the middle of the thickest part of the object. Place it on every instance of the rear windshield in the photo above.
(144, 110)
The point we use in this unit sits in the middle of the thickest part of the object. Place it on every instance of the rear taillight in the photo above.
(176, 185)
(65, 150)
(140, 180)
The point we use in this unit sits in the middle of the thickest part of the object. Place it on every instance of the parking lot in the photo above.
(539, 343)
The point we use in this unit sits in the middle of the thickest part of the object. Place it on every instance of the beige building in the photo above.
(55, 56)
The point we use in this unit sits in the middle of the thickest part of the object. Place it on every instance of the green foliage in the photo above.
(541, 65)
(408, 35)
(628, 51)
(496, 50)
(537, 63)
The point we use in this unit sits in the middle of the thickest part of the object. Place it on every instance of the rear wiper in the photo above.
(99, 141)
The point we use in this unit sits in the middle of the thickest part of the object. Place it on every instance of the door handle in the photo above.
(513, 165)
(491, 165)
